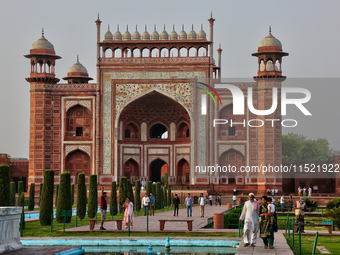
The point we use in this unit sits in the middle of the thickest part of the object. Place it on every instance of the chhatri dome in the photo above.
(202, 34)
(42, 43)
(118, 35)
(270, 40)
(192, 34)
(145, 35)
(164, 34)
(155, 35)
(183, 35)
(127, 35)
(173, 34)
(77, 73)
(108, 36)
(136, 35)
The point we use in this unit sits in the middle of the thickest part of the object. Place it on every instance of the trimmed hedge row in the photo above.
(81, 196)
(64, 197)
(93, 197)
(31, 197)
(113, 199)
(46, 201)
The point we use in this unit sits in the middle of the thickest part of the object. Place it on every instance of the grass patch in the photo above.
(331, 243)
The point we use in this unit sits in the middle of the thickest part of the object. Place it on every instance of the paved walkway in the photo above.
(281, 247)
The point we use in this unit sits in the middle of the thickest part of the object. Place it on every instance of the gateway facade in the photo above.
(144, 117)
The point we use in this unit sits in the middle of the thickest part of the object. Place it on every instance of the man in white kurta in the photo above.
(251, 222)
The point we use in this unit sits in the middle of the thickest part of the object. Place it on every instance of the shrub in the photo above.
(81, 196)
(12, 194)
(4, 185)
(113, 199)
(122, 193)
(93, 197)
(231, 220)
(335, 202)
(333, 214)
(21, 202)
(20, 188)
(158, 196)
(237, 211)
(311, 204)
(154, 191)
(31, 197)
(40, 191)
(166, 197)
(64, 197)
(56, 195)
(72, 194)
(129, 191)
(46, 201)
(169, 196)
(148, 188)
(137, 195)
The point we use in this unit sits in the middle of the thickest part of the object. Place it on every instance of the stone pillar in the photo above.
(9, 229)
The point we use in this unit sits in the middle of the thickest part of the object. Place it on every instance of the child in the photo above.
(271, 209)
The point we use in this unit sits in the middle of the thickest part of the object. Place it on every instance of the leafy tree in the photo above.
(56, 195)
(4, 185)
(113, 199)
(40, 191)
(169, 195)
(20, 189)
(122, 193)
(46, 201)
(158, 196)
(335, 202)
(64, 197)
(148, 188)
(72, 194)
(12, 195)
(93, 197)
(129, 191)
(81, 196)
(21, 202)
(137, 195)
(333, 214)
(31, 197)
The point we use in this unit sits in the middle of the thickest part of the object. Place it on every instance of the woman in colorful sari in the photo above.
(266, 228)
(128, 211)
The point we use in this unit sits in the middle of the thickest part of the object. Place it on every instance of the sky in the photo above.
(308, 31)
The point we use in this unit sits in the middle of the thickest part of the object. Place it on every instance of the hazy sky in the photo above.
(308, 30)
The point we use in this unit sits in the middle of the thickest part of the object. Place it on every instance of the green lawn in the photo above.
(34, 229)
(282, 222)
(331, 243)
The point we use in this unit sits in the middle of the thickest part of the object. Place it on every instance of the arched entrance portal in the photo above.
(131, 170)
(78, 162)
(183, 172)
(156, 170)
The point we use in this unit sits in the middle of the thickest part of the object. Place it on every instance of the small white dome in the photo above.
(42, 43)
(270, 40)
(108, 36)
(77, 68)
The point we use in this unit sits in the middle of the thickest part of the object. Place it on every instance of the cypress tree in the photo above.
(72, 194)
(122, 194)
(137, 195)
(64, 197)
(81, 196)
(153, 190)
(93, 197)
(158, 196)
(166, 197)
(46, 201)
(12, 195)
(31, 197)
(20, 189)
(56, 195)
(129, 191)
(4, 185)
(169, 195)
(40, 191)
(113, 199)
(21, 202)
(148, 188)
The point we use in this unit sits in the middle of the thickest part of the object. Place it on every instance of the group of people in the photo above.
(148, 203)
(218, 200)
(302, 192)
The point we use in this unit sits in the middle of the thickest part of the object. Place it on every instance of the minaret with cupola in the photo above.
(269, 136)
(42, 79)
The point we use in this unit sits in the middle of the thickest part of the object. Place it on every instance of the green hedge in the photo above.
(130, 191)
(31, 197)
(335, 202)
(169, 196)
(40, 191)
(231, 220)
(113, 199)
(237, 211)
(46, 201)
(4, 185)
(12, 194)
(56, 195)
(158, 196)
(122, 193)
(93, 197)
(72, 194)
(64, 197)
(81, 196)
(137, 195)
(148, 188)
(20, 188)
(21, 202)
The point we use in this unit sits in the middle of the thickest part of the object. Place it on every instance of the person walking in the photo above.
(103, 208)
(309, 192)
(251, 221)
(128, 211)
(282, 201)
(145, 203)
(188, 203)
(210, 199)
(176, 203)
(201, 201)
(300, 207)
(299, 191)
(234, 199)
(266, 228)
(219, 200)
(152, 204)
